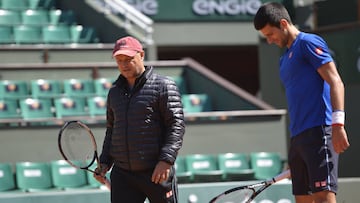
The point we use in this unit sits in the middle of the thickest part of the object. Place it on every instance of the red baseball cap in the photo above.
(128, 46)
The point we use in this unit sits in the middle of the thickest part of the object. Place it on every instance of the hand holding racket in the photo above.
(247, 193)
(78, 147)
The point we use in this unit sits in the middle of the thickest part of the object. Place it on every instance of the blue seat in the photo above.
(7, 177)
(82, 34)
(79, 87)
(56, 34)
(41, 4)
(44, 88)
(35, 17)
(96, 105)
(14, 89)
(102, 86)
(266, 164)
(235, 167)
(9, 108)
(14, 4)
(68, 106)
(196, 103)
(6, 35)
(61, 17)
(24, 34)
(32, 109)
(65, 176)
(203, 168)
(33, 176)
(10, 17)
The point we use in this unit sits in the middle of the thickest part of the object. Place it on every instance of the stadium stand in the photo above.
(70, 106)
(24, 34)
(6, 35)
(266, 164)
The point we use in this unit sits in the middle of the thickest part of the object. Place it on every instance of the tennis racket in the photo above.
(247, 193)
(78, 147)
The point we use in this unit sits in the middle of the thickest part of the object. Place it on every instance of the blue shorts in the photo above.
(313, 161)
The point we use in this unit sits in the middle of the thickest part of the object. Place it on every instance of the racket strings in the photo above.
(238, 196)
(77, 145)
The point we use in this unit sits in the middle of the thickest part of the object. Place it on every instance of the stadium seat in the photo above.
(6, 35)
(79, 87)
(102, 86)
(14, 4)
(41, 4)
(182, 174)
(235, 167)
(59, 34)
(9, 108)
(97, 106)
(81, 34)
(33, 176)
(7, 178)
(181, 83)
(43, 88)
(265, 164)
(68, 106)
(35, 17)
(13, 89)
(32, 109)
(24, 34)
(203, 167)
(196, 103)
(10, 17)
(61, 17)
(65, 176)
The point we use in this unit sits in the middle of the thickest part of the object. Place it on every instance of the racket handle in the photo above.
(283, 175)
(107, 183)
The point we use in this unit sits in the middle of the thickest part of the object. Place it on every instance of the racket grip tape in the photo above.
(283, 175)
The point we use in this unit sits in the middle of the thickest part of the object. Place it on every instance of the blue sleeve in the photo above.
(316, 51)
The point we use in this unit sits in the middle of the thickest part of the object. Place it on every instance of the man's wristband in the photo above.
(338, 118)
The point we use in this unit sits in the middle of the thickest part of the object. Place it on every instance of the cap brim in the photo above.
(130, 53)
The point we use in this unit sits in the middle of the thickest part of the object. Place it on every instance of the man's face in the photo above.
(130, 67)
(275, 35)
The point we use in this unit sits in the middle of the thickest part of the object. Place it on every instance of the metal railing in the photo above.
(133, 21)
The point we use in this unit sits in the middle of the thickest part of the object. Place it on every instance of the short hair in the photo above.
(271, 13)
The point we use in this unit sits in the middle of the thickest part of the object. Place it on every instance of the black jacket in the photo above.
(145, 124)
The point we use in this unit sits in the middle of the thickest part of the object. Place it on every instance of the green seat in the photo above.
(35, 17)
(196, 103)
(236, 167)
(32, 109)
(13, 89)
(42, 88)
(96, 106)
(7, 178)
(79, 87)
(33, 176)
(9, 109)
(6, 35)
(266, 164)
(81, 34)
(62, 17)
(24, 34)
(41, 4)
(68, 106)
(10, 17)
(65, 176)
(181, 84)
(14, 4)
(56, 34)
(102, 86)
(203, 167)
(182, 174)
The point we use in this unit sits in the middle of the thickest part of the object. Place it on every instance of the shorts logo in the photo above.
(320, 183)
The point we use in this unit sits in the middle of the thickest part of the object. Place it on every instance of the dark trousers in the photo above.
(135, 187)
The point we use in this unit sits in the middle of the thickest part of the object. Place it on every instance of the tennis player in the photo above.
(315, 96)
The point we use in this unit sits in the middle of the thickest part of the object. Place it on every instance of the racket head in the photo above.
(77, 145)
(235, 195)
